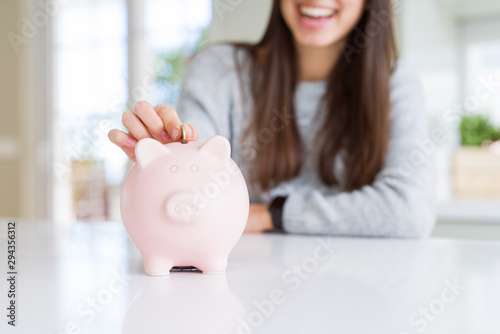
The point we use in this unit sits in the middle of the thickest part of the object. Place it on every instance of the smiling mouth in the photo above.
(311, 12)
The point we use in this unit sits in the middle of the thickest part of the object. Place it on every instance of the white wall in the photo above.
(9, 117)
(239, 20)
(430, 45)
(25, 130)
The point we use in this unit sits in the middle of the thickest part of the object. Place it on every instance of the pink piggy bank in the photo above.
(184, 204)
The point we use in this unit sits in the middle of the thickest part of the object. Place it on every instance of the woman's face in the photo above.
(321, 23)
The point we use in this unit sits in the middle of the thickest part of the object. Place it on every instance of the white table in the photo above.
(88, 278)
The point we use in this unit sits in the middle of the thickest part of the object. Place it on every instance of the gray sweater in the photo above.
(399, 203)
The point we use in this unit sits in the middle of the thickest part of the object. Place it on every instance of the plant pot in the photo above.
(476, 172)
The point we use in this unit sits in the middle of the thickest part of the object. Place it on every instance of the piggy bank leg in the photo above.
(157, 266)
(213, 266)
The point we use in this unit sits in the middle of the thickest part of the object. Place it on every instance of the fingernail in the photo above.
(164, 136)
(131, 142)
(175, 133)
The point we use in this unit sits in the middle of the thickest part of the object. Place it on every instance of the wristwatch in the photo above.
(276, 210)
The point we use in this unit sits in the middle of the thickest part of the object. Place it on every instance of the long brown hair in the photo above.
(357, 100)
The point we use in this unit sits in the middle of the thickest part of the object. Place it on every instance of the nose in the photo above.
(181, 207)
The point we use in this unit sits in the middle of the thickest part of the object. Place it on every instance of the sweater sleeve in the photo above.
(205, 100)
(400, 201)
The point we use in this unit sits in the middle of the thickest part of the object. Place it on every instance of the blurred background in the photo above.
(69, 68)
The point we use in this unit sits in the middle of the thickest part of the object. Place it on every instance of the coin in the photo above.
(183, 134)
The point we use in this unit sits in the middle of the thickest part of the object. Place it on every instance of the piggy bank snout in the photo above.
(183, 207)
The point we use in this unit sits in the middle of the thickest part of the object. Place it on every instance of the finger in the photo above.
(191, 132)
(125, 141)
(135, 126)
(151, 120)
(170, 119)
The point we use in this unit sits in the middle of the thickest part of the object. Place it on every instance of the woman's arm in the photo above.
(205, 99)
(400, 202)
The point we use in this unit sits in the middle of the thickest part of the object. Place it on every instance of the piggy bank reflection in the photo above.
(184, 204)
(184, 304)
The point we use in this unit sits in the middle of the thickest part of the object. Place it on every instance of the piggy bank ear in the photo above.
(147, 150)
(218, 147)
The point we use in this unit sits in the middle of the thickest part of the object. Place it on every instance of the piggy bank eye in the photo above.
(193, 168)
(173, 168)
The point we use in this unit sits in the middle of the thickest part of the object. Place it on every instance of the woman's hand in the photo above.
(161, 123)
(259, 219)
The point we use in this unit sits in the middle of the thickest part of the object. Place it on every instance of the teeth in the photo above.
(316, 11)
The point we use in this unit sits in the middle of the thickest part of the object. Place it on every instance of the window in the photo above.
(94, 83)
(174, 30)
(482, 67)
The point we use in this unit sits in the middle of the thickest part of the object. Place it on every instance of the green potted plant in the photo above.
(476, 169)
(476, 130)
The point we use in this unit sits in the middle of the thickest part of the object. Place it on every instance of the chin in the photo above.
(323, 23)
(316, 41)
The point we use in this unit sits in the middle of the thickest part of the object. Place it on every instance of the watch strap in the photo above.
(276, 210)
